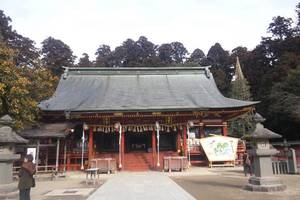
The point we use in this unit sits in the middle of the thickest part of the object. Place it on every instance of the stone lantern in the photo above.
(8, 140)
(262, 151)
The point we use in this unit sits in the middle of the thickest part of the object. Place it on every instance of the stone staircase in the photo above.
(137, 161)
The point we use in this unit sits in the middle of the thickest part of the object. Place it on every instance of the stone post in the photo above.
(263, 179)
(8, 139)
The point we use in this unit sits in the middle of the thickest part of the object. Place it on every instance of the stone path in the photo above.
(144, 185)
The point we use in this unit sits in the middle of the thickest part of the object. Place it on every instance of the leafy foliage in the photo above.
(14, 93)
(179, 52)
(84, 61)
(22, 88)
(26, 54)
(57, 54)
(165, 53)
(104, 56)
(284, 111)
(197, 56)
(219, 59)
(240, 89)
(281, 27)
(272, 71)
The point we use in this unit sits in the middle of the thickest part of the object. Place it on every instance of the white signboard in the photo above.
(32, 151)
(192, 135)
(219, 148)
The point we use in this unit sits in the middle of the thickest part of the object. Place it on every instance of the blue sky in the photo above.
(85, 24)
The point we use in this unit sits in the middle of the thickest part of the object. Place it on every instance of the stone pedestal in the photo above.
(6, 167)
(264, 181)
(8, 189)
(265, 184)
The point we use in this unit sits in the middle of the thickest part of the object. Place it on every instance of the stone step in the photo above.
(138, 161)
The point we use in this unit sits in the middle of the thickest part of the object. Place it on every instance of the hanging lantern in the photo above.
(174, 128)
(85, 126)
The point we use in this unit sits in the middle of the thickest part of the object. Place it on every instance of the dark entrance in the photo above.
(137, 142)
(106, 142)
(167, 141)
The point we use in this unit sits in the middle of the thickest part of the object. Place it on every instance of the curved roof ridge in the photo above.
(132, 90)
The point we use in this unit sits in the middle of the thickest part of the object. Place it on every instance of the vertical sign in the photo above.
(32, 151)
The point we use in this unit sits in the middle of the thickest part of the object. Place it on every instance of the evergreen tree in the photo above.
(240, 89)
(84, 61)
(56, 55)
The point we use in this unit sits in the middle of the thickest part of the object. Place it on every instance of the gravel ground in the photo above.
(228, 185)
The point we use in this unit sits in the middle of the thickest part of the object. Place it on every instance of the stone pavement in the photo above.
(73, 181)
(143, 185)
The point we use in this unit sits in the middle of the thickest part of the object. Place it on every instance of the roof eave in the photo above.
(153, 110)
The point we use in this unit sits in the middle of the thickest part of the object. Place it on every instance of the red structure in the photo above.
(137, 99)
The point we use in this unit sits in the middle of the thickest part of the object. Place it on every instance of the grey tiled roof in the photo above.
(54, 130)
(7, 135)
(261, 132)
(138, 89)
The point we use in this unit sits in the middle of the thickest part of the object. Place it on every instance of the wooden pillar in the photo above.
(91, 145)
(65, 154)
(201, 130)
(153, 149)
(225, 131)
(184, 140)
(123, 147)
(47, 158)
(57, 154)
(179, 141)
(68, 162)
(37, 155)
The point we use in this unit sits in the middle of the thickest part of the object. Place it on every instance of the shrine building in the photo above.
(134, 115)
